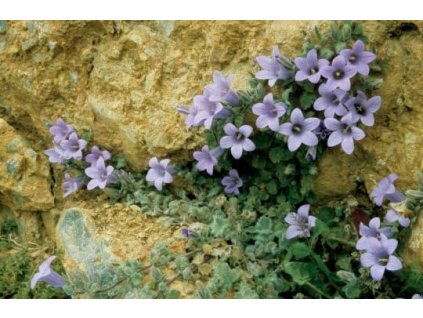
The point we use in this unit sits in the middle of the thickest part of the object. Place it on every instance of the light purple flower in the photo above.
(96, 153)
(300, 130)
(331, 101)
(269, 113)
(417, 296)
(379, 257)
(359, 58)
(73, 147)
(207, 159)
(311, 153)
(60, 130)
(160, 172)
(339, 74)
(310, 67)
(208, 110)
(47, 275)
(393, 215)
(373, 230)
(237, 139)
(363, 109)
(272, 70)
(55, 154)
(344, 132)
(300, 223)
(322, 132)
(190, 113)
(386, 190)
(186, 232)
(221, 89)
(71, 185)
(100, 175)
(233, 182)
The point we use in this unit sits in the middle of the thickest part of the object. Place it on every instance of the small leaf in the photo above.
(276, 154)
(300, 250)
(272, 187)
(306, 100)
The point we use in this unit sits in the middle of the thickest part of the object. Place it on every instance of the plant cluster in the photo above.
(262, 146)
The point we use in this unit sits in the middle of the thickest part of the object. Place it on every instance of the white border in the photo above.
(211, 9)
(210, 308)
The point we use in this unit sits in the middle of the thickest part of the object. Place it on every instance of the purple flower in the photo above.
(221, 89)
(358, 58)
(237, 139)
(393, 215)
(300, 130)
(160, 172)
(331, 101)
(272, 70)
(232, 183)
(47, 275)
(310, 67)
(207, 159)
(417, 296)
(363, 109)
(71, 185)
(386, 190)
(311, 153)
(190, 113)
(379, 257)
(300, 223)
(61, 130)
(186, 232)
(208, 110)
(96, 153)
(339, 74)
(344, 132)
(269, 113)
(73, 147)
(100, 175)
(55, 154)
(373, 230)
(322, 132)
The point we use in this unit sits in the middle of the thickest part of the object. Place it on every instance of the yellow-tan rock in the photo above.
(24, 173)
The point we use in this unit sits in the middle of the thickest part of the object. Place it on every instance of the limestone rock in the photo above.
(24, 173)
(97, 239)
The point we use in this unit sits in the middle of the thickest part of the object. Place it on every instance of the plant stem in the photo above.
(339, 240)
(317, 290)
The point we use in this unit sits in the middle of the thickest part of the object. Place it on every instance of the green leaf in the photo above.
(300, 272)
(220, 226)
(272, 187)
(353, 289)
(306, 100)
(264, 226)
(225, 275)
(300, 250)
(276, 154)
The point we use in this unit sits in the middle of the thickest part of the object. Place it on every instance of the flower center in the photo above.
(75, 147)
(383, 261)
(103, 175)
(239, 136)
(346, 129)
(335, 100)
(296, 129)
(338, 74)
(360, 109)
(314, 70)
(352, 58)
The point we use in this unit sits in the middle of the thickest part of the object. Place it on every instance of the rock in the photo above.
(24, 174)
(97, 239)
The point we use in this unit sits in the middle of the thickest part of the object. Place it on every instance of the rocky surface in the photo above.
(121, 81)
